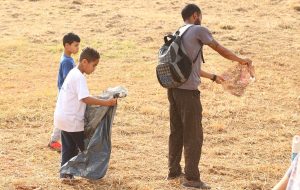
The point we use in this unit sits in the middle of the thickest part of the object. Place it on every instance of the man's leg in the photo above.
(175, 138)
(191, 116)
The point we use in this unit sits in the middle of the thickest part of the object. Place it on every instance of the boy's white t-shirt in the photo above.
(69, 111)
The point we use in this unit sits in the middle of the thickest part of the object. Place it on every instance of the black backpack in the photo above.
(174, 66)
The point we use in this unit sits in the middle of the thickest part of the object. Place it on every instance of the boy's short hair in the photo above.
(89, 54)
(189, 10)
(70, 38)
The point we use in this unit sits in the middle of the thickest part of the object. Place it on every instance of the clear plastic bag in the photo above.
(238, 78)
(116, 92)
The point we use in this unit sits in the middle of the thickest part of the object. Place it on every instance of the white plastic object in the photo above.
(295, 146)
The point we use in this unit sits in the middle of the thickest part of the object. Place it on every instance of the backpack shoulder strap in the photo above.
(183, 29)
(199, 52)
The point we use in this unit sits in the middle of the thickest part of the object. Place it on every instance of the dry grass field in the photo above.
(247, 139)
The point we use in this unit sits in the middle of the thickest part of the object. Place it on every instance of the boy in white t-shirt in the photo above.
(71, 105)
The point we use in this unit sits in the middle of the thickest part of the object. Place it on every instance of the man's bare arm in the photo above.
(226, 53)
(207, 75)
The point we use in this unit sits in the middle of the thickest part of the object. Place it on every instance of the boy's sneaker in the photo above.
(55, 145)
(195, 184)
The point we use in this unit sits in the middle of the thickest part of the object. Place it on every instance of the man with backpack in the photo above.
(185, 106)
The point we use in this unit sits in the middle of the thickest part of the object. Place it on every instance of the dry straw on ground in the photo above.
(247, 139)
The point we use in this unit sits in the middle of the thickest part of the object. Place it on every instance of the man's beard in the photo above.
(197, 22)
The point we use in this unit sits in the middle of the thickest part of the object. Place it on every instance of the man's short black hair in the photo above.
(70, 38)
(189, 10)
(89, 54)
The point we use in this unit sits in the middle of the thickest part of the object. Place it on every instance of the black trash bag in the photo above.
(93, 162)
